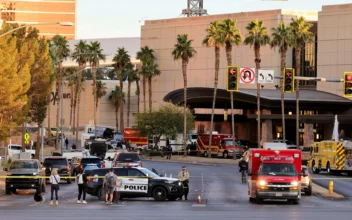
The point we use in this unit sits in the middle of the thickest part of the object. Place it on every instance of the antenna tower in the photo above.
(194, 8)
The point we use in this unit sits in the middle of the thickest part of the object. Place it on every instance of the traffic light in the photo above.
(232, 79)
(347, 85)
(289, 81)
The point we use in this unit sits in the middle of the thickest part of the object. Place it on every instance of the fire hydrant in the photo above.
(331, 187)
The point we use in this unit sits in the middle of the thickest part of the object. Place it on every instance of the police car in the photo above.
(136, 182)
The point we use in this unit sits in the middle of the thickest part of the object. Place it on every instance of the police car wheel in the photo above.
(159, 193)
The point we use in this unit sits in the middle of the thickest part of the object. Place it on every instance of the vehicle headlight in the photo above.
(231, 151)
(34, 174)
(294, 183)
(179, 183)
(262, 183)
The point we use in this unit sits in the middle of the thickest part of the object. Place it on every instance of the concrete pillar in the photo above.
(308, 136)
(267, 128)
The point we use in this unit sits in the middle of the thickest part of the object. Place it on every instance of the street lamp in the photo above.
(34, 23)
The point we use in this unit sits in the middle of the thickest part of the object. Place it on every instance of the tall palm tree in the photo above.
(96, 54)
(146, 56)
(282, 38)
(138, 90)
(81, 57)
(61, 50)
(121, 59)
(232, 36)
(184, 50)
(132, 76)
(153, 70)
(301, 35)
(257, 36)
(101, 91)
(115, 96)
(214, 39)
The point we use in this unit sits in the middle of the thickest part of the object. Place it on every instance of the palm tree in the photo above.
(101, 91)
(81, 57)
(132, 76)
(61, 50)
(301, 35)
(138, 90)
(115, 96)
(214, 39)
(232, 35)
(96, 54)
(282, 38)
(121, 59)
(257, 36)
(146, 55)
(153, 70)
(184, 50)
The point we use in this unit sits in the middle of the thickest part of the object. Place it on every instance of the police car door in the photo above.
(136, 184)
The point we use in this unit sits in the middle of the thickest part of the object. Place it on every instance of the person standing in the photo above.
(243, 165)
(110, 182)
(66, 143)
(183, 175)
(82, 186)
(169, 152)
(54, 181)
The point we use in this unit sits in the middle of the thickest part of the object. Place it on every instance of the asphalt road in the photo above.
(223, 197)
(342, 183)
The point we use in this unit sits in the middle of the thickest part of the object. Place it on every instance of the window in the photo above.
(278, 170)
(24, 165)
(128, 157)
(52, 161)
(120, 172)
(134, 172)
(91, 160)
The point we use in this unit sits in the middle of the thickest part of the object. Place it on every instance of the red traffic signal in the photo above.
(232, 79)
(347, 84)
(289, 84)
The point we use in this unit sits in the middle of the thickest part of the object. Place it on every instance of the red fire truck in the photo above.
(133, 137)
(221, 145)
(275, 174)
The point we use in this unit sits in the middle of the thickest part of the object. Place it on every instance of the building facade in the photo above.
(40, 12)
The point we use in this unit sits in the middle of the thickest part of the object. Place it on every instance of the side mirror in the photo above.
(5, 169)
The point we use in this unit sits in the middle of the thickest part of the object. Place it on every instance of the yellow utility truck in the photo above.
(331, 156)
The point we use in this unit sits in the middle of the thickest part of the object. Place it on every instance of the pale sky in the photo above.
(123, 18)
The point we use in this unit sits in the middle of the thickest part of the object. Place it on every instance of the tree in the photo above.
(132, 76)
(101, 91)
(72, 84)
(146, 56)
(61, 50)
(214, 39)
(121, 59)
(301, 35)
(152, 71)
(81, 56)
(96, 54)
(257, 36)
(153, 123)
(231, 35)
(183, 50)
(14, 83)
(115, 96)
(282, 38)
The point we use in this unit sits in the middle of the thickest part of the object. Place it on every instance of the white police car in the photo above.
(136, 182)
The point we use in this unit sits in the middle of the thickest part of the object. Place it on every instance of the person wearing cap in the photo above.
(183, 175)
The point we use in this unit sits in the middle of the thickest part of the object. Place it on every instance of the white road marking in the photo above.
(199, 205)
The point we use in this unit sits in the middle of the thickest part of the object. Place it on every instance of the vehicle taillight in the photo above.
(103, 164)
(68, 168)
(89, 179)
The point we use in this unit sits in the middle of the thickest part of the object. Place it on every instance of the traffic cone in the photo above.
(199, 200)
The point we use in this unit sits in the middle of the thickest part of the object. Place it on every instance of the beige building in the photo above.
(40, 12)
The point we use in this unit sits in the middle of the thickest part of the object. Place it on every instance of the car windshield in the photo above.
(24, 165)
(230, 143)
(55, 129)
(278, 170)
(57, 162)
(90, 160)
(148, 173)
(128, 157)
(193, 136)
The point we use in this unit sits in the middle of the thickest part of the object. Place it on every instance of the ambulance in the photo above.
(331, 156)
(221, 145)
(275, 174)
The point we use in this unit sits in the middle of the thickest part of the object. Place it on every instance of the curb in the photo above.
(323, 192)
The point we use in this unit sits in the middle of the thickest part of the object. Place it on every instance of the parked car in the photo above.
(59, 163)
(127, 159)
(81, 163)
(90, 168)
(20, 168)
(289, 144)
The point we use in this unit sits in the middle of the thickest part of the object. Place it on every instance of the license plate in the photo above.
(278, 194)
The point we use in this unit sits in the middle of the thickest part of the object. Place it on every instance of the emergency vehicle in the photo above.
(332, 156)
(274, 174)
(132, 136)
(221, 145)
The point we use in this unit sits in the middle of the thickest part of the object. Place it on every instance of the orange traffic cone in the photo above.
(199, 200)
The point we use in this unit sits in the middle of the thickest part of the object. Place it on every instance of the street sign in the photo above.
(247, 75)
(26, 136)
(265, 76)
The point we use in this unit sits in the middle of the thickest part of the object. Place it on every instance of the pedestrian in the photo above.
(169, 152)
(243, 166)
(183, 175)
(82, 186)
(109, 183)
(54, 181)
(73, 146)
(66, 143)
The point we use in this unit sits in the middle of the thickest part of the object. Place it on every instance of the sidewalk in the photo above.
(191, 160)
(324, 192)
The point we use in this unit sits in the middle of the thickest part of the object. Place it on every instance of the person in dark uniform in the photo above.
(169, 152)
(243, 165)
(183, 175)
(66, 143)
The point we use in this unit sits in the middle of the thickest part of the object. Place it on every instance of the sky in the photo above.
(123, 18)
